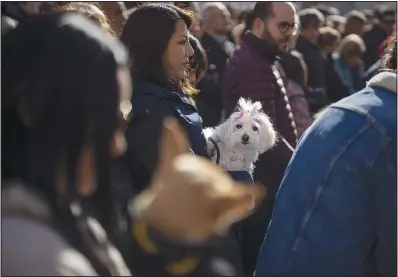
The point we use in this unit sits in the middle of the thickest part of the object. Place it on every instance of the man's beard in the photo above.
(269, 39)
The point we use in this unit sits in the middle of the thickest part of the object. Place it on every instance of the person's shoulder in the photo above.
(377, 106)
(35, 249)
(147, 88)
(150, 98)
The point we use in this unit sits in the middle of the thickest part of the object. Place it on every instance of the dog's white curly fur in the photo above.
(245, 135)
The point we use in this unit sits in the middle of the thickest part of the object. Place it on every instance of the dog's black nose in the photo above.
(245, 138)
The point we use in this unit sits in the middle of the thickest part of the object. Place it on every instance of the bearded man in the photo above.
(251, 73)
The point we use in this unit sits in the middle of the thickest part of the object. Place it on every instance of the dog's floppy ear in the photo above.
(173, 143)
(268, 133)
(237, 204)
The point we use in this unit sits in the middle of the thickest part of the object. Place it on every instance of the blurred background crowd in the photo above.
(336, 49)
(295, 58)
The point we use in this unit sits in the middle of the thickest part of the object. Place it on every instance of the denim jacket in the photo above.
(336, 210)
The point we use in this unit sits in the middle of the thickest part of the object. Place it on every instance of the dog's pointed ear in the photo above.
(268, 133)
(173, 143)
(257, 107)
(237, 204)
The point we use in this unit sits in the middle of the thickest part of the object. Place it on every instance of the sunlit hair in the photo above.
(198, 61)
(90, 10)
(351, 45)
(328, 36)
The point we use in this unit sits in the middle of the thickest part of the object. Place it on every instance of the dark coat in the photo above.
(250, 73)
(209, 100)
(151, 105)
(313, 58)
(372, 39)
(335, 88)
(14, 11)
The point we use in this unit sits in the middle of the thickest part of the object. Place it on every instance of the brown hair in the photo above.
(328, 36)
(198, 61)
(90, 10)
(352, 45)
(146, 34)
(337, 22)
(355, 23)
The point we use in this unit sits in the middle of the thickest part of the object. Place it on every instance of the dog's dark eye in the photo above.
(239, 126)
(255, 128)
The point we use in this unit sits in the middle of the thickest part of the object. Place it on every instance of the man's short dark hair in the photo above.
(262, 10)
(310, 18)
(249, 20)
(383, 11)
(326, 10)
(356, 16)
(368, 13)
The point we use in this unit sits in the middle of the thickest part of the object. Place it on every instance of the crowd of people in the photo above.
(87, 88)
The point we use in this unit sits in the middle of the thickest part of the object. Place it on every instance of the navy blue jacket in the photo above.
(151, 105)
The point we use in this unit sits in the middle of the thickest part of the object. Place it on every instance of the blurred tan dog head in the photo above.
(190, 198)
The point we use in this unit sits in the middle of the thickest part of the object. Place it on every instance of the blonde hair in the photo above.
(351, 44)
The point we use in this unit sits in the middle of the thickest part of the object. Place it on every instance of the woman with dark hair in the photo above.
(158, 40)
(197, 62)
(66, 95)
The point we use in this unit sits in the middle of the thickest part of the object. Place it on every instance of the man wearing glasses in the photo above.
(251, 73)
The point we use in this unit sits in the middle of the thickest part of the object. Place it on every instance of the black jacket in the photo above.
(372, 39)
(209, 100)
(335, 88)
(312, 55)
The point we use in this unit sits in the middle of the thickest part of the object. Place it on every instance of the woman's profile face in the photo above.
(352, 60)
(176, 59)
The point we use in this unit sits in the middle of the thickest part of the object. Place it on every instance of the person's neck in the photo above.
(307, 37)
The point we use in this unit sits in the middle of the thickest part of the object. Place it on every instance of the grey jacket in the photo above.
(31, 248)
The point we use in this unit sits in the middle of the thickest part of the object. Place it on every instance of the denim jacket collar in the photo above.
(384, 79)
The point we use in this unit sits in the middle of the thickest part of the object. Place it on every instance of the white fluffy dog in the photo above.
(245, 135)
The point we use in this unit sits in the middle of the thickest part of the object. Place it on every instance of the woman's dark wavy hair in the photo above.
(198, 61)
(62, 69)
(146, 34)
